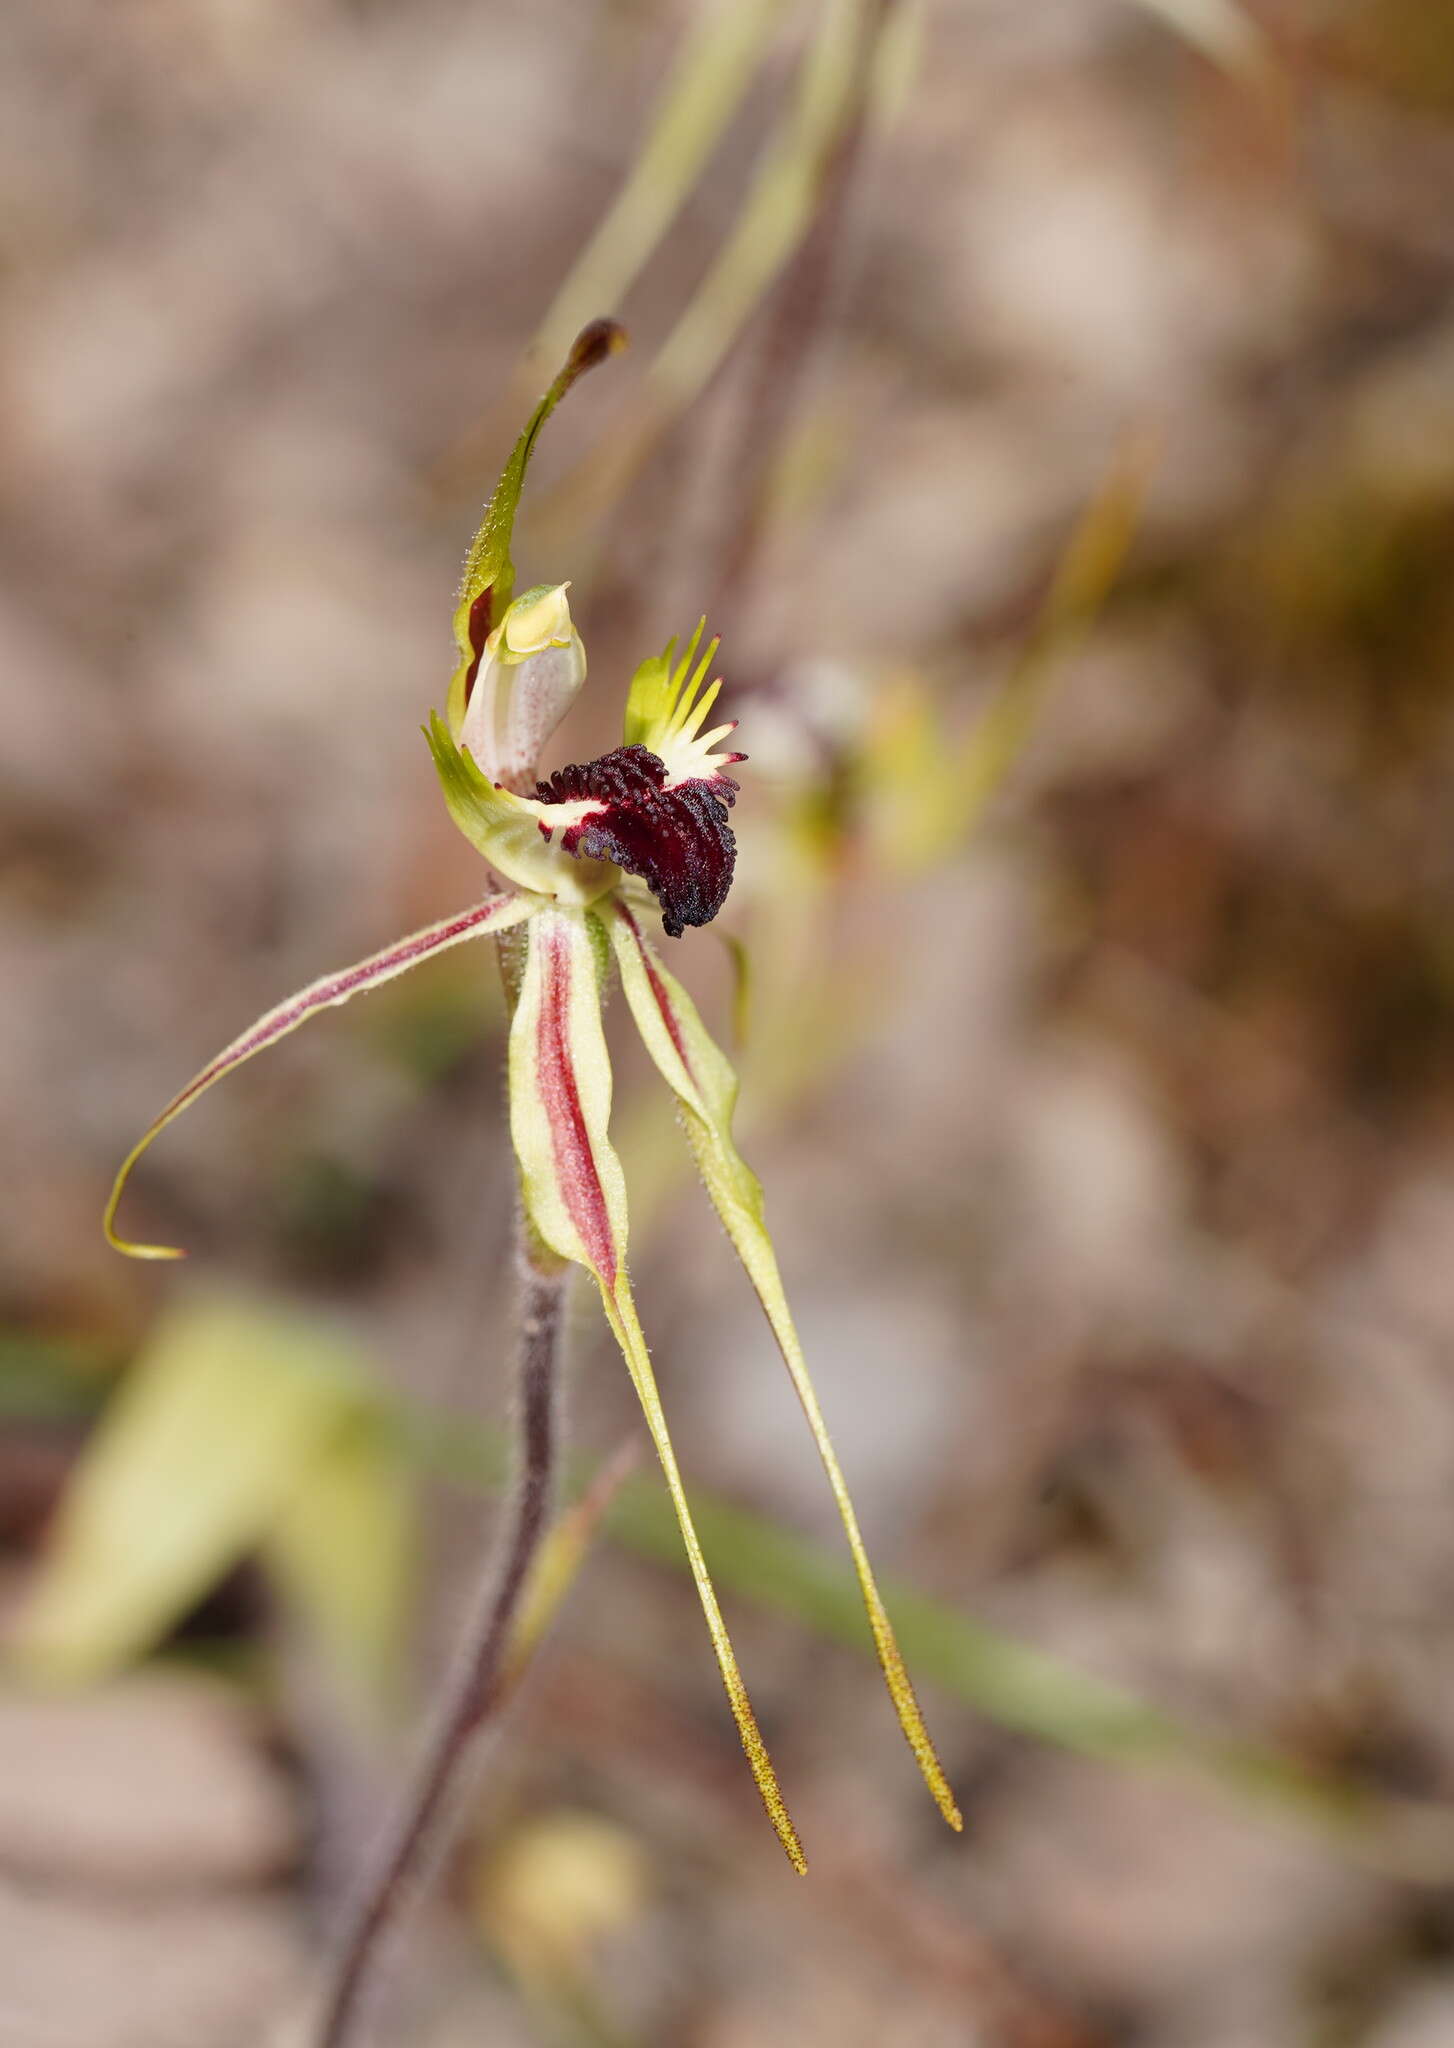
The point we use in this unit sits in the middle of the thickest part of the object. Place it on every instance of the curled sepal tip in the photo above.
(575, 1195)
(495, 914)
(489, 575)
(704, 1082)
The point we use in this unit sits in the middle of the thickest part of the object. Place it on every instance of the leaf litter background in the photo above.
(1108, 1146)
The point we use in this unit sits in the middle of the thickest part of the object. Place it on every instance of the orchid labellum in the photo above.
(585, 859)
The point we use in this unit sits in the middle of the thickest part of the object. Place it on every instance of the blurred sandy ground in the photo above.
(1123, 1251)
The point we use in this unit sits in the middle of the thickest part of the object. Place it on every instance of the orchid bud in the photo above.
(531, 673)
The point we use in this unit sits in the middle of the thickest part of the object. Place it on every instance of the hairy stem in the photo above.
(480, 1676)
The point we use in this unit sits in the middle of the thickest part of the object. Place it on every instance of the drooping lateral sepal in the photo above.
(495, 914)
(575, 1196)
(489, 574)
(677, 839)
(705, 1083)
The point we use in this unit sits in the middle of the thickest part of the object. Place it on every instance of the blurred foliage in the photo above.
(562, 1556)
(546, 1898)
(50, 1379)
(1014, 1685)
(249, 1429)
(901, 792)
(241, 1427)
(342, 1552)
(837, 81)
(1402, 47)
(709, 79)
(922, 789)
(1223, 30)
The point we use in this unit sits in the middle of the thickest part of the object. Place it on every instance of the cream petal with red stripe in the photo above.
(575, 1197)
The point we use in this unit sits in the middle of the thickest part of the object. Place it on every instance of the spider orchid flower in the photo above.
(584, 859)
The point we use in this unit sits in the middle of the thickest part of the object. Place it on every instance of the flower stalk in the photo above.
(482, 1673)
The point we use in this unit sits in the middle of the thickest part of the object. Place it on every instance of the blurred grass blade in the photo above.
(202, 1455)
(1097, 548)
(772, 221)
(1011, 1683)
(740, 961)
(777, 210)
(214, 1428)
(1221, 29)
(895, 65)
(1017, 1686)
(703, 93)
(562, 1556)
(343, 1552)
(1087, 569)
(925, 793)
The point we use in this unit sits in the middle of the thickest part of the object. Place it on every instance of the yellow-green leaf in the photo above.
(194, 1460)
(342, 1550)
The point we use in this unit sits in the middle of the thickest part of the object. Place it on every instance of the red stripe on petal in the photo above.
(658, 990)
(576, 1176)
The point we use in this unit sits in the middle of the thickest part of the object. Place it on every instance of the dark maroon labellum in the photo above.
(678, 840)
